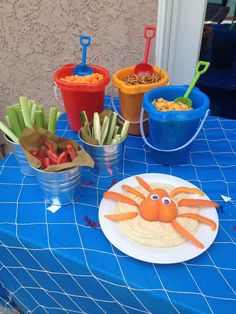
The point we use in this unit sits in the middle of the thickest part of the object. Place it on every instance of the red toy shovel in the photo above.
(145, 67)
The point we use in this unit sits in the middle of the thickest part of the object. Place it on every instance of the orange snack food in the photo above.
(93, 78)
(165, 105)
(121, 217)
(144, 78)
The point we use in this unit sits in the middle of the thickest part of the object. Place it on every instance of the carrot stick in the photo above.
(119, 197)
(144, 184)
(178, 228)
(197, 203)
(184, 189)
(132, 190)
(121, 217)
(200, 218)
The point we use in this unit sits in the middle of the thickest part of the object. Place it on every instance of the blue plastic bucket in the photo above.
(172, 133)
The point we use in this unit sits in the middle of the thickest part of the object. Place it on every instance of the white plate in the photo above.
(180, 253)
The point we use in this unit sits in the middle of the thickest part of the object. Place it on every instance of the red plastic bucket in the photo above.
(81, 96)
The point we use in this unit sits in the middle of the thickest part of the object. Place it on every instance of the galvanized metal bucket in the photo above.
(60, 188)
(108, 159)
(21, 158)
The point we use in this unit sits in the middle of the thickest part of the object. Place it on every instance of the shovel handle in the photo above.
(84, 42)
(205, 65)
(148, 40)
(198, 72)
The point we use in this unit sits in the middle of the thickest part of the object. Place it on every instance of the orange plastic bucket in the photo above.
(81, 96)
(131, 96)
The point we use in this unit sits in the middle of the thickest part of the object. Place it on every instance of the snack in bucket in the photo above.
(82, 93)
(104, 139)
(172, 131)
(92, 78)
(131, 88)
(164, 105)
(105, 128)
(143, 78)
(44, 150)
(28, 113)
(57, 164)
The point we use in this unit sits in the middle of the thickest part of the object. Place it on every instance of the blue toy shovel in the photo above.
(83, 69)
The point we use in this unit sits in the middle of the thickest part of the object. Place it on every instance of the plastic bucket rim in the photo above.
(72, 86)
(136, 89)
(178, 115)
(140, 88)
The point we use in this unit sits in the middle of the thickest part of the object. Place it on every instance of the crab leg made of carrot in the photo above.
(197, 203)
(119, 197)
(200, 218)
(187, 235)
(122, 216)
(133, 191)
(144, 184)
(184, 189)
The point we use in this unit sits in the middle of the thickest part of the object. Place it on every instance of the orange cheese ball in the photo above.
(93, 78)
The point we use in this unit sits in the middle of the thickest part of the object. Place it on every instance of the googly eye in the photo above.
(154, 197)
(166, 200)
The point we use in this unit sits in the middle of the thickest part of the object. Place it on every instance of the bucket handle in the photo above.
(175, 149)
(116, 111)
(55, 92)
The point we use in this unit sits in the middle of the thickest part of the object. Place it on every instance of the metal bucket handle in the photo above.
(175, 149)
(116, 111)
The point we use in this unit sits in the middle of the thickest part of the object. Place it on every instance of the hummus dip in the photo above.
(155, 233)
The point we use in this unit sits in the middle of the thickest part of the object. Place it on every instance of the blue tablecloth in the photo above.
(57, 263)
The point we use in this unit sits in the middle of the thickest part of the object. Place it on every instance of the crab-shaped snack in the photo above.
(159, 206)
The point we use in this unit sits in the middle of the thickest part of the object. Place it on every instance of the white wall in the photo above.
(179, 32)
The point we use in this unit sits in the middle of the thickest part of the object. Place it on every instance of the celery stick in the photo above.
(116, 131)
(30, 104)
(84, 120)
(124, 130)
(120, 129)
(114, 141)
(25, 111)
(52, 119)
(112, 124)
(58, 115)
(45, 119)
(16, 107)
(15, 126)
(105, 121)
(21, 119)
(8, 132)
(97, 127)
(8, 121)
(39, 119)
(33, 110)
(40, 107)
(105, 127)
(92, 132)
(117, 138)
